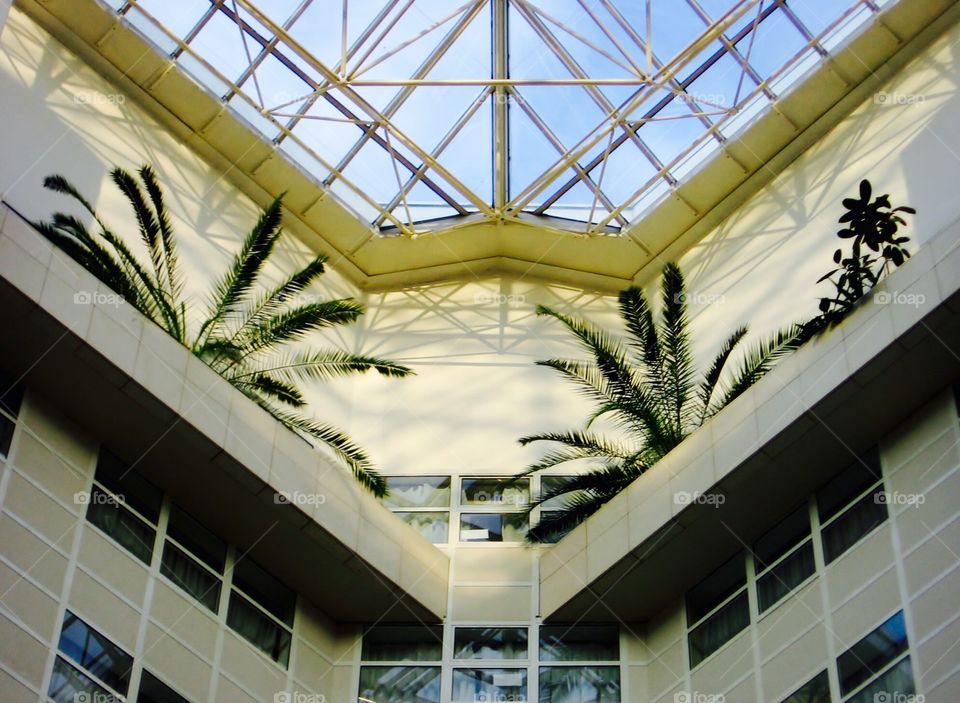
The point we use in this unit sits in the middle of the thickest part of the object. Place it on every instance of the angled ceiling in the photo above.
(428, 139)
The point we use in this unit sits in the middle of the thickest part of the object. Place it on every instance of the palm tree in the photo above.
(648, 389)
(249, 332)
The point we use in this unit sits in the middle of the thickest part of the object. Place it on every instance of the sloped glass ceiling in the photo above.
(418, 114)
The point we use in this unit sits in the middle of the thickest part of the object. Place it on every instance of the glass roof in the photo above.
(419, 114)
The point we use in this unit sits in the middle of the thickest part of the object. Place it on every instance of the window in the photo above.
(193, 558)
(551, 485)
(416, 499)
(850, 506)
(783, 558)
(471, 685)
(717, 609)
(397, 681)
(496, 643)
(87, 663)
(816, 690)
(261, 610)
(153, 690)
(125, 506)
(11, 395)
(878, 660)
(577, 655)
(492, 509)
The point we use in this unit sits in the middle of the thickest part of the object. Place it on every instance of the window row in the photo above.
(135, 514)
(89, 667)
(877, 668)
(486, 509)
(841, 513)
(404, 664)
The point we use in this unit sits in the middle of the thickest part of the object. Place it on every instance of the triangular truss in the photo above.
(418, 113)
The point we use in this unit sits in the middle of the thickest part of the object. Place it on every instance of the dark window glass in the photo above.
(95, 653)
(134, 489)
(490, 643)
(418, 492)
(871, 654)
(495, 492)
(894, 684)
(579, 643)
(851, 526)
(126, 529)
(716, 588)
(264, 589)
(200, 541)
(153, 690)
(847, 485)
(187, 573)
(11, 395)
(562, 684)
(259, 630)
(472, 685)
(68, 684)
(816, 690)
(778, 541)
(403, 643)
(400, 684)
(718, 629)
(785, 576)
(492, 527)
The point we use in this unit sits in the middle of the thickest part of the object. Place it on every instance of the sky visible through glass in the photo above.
(418, 113)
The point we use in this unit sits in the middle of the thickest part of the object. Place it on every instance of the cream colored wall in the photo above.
(910, 562)
(51, 559)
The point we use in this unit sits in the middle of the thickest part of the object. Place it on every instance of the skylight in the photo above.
(420, 114)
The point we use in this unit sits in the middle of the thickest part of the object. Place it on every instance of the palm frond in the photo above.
(294, 324)
(678, 362)
(168, 242)
(271, 387)
(759, 360)
(324, 364)
(712, 377)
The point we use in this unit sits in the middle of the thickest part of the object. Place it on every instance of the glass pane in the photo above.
(872, 653)
(817, 690)
(128, 530)
(781, 538)
(719, 629)
(400, 684)
(493, 527)
(418, 492)
(495, 492)
(259, 630)
(153, 690)
(785, 576)
(127, 483)
(403, 643)
(861, 518)
(575, 684)
(568, 643)
(201, 542)
(472, 685)
(190, 576)
(894, 685)
(433, 526)
(95, 653)
(264, 589)
(715, 588)
(68, 685)
(549, 485)
(846, 486)
(490, 643)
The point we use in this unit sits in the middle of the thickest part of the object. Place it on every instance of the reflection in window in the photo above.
(153, 690)
(495, 492)
(400, 684)
(816, 690)
(258, 629)
(490, 643)
(471, 685)
(579, 684)
(492, 527)
(569, 643)
(91, 656)
(435, 527)
(894, 684)
(778, 574)
(403, 643)
(418, 492)
(871, 654)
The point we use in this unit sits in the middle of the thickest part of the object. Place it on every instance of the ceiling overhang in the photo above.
(523, 244)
